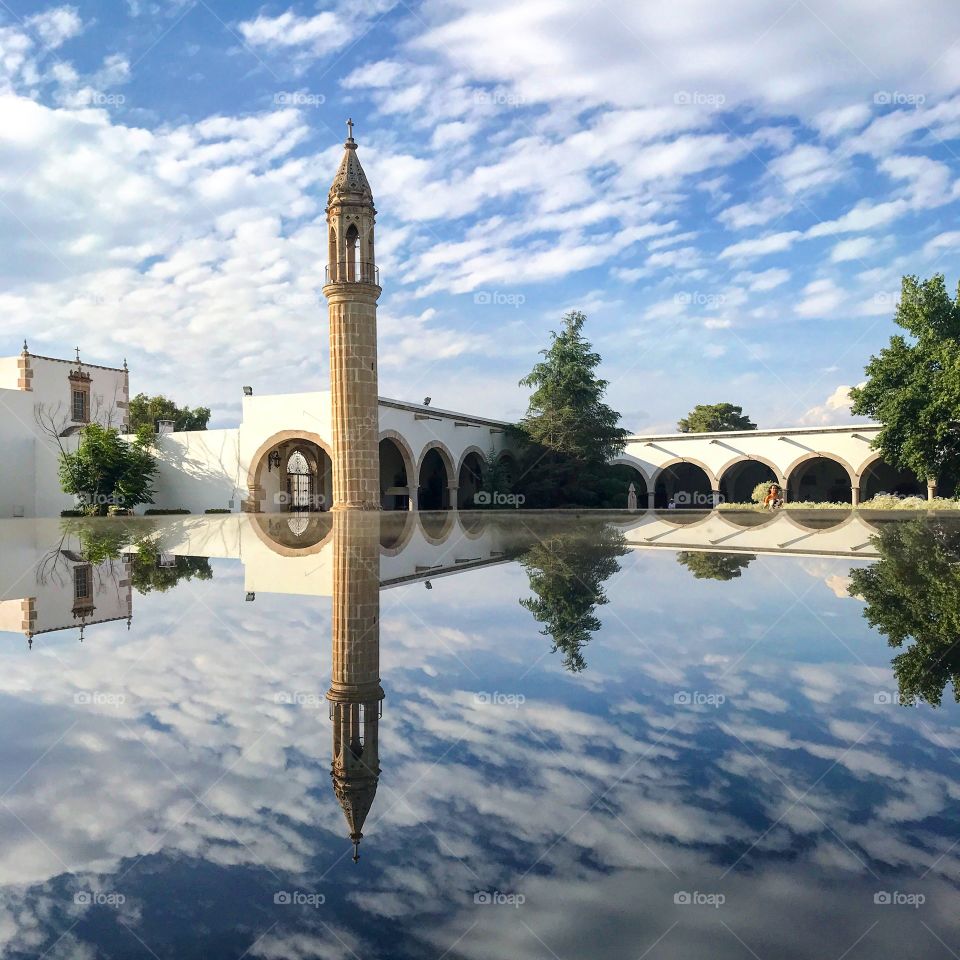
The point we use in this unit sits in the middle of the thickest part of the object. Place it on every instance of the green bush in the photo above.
(218, 510)
(163, 511)
(72, 513)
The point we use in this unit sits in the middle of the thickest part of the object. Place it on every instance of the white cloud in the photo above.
(319, 34)
(761, 246)
(765, 280)
(854, 249)
(834, 411)
(56, 26)
(821, 298)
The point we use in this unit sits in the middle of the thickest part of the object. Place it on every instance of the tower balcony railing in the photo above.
(353, 271)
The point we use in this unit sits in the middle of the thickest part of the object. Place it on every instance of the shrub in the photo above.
(218, 510)
(163, 511)
(72, 513)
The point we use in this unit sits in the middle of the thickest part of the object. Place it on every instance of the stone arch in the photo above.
(434, 494)
(823, 488)
(269, 530)
(878, 476)
(667, 485)
(255, 489)
(470, 476)
(396, 529)
(733, 488)
(473, 524)
(625, 460)
(397, 501)
(642, 488)
(437, 525)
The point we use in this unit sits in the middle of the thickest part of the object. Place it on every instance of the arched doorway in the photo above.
(394, 482)
(470, 479)
(627, 473)
(739, 480)
(819, 480)
(881, 477)
(433, 482)
(686, 484)
(293, 475)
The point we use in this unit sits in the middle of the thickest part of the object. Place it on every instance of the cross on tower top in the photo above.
(349, 128)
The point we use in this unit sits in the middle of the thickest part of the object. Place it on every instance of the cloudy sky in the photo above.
(730, 193)
(199, 788)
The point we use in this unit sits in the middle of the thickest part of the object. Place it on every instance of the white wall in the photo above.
(198, 469)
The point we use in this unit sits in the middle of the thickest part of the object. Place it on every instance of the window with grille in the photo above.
(82, 583)
(80, 405)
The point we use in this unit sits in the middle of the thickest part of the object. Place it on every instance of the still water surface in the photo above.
(540, 738)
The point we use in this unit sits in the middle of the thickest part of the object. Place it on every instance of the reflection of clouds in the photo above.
(619, 795)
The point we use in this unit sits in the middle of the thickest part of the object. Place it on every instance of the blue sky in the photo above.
(731, 196)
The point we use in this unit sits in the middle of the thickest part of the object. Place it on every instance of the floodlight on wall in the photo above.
(248, 391)
(273, 460)
(251, 596)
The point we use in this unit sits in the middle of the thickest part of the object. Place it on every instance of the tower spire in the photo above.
(352, 290)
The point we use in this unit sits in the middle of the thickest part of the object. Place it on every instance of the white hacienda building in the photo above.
(319, 451)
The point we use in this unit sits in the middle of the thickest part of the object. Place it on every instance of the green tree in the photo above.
(146, 411)
(712, 417)
(147, 574)
(569, 433)
(913, 385)
(105, 470)
(715, 566)
(567, 572)
(913, 593)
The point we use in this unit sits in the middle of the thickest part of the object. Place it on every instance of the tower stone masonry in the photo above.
(352, 289)
(355, 693)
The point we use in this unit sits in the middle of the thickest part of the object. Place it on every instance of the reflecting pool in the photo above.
(480, 735)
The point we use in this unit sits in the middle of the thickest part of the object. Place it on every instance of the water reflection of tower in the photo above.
(355, 693)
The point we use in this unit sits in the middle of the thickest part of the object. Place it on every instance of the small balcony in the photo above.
(353, 271)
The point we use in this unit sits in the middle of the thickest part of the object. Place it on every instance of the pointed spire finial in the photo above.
(78, 353)
(25, 348)
(356, 849)
(124, 363)
(350, 128)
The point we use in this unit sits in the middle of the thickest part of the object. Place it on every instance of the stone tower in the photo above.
(352, 289)
(355, 693)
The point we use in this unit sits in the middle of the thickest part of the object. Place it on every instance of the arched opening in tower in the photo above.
(394, 483)
(819, 480)
(433, 482)
(686, 485)
(352, 253)
(739, 481)
(470, 481)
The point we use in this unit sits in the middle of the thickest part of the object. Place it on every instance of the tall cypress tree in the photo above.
(570, 431)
